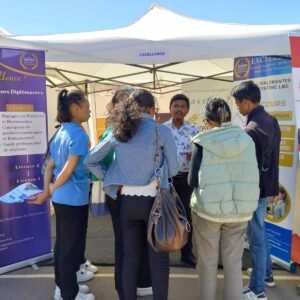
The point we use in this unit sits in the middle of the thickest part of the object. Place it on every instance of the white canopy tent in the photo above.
(158, 51)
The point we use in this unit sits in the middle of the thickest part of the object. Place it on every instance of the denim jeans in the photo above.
(259, 248)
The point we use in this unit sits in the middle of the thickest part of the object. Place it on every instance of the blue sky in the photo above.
(50, 17)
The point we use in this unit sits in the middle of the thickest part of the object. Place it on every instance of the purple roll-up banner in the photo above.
(25, 232)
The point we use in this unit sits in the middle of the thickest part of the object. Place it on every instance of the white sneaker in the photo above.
(147, 291)
(84, 275)
(81, 296)
(249, 294)
(89, 266)
(84, 289)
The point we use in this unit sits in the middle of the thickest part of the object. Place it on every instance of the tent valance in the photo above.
(158, 51)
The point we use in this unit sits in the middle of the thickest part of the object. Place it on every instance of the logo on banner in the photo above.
(152, 54)
(242, 68)
(29, 61)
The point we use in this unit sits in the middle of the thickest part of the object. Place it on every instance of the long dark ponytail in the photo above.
(65, 100)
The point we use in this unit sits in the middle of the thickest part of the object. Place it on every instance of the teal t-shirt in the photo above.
(71, 139)
(110, 156)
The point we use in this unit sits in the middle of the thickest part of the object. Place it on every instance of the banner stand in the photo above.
(273, 75)
(291, 267)
(25, 229)
(25, 263)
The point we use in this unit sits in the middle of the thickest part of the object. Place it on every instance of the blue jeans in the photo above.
(259, 248)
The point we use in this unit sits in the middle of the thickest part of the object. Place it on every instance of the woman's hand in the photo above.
(40, 199)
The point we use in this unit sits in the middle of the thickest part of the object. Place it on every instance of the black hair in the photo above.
(247, 90)
(120, 94)
(125, 117)
(65, 100)
(217, 110)
(144, 99)
(180, 97)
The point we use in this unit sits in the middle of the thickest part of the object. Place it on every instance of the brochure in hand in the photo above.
(25, 192)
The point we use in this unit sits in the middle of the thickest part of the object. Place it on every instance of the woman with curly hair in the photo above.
(144, 280)
(131, 174)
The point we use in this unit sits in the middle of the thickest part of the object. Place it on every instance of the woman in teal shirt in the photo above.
(66, 179)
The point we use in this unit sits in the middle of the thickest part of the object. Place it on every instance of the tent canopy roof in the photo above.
(161, 38)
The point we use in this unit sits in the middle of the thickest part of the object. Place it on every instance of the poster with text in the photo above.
(273, 76)
(199, 91)
(24, 228)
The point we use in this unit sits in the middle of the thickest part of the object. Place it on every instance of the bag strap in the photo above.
(48, 144)
(157, 170)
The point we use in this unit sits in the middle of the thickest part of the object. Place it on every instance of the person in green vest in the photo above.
(224, 175)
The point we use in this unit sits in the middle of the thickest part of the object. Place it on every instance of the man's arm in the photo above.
(258, 136)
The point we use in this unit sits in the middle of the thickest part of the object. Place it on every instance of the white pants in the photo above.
(213, 238)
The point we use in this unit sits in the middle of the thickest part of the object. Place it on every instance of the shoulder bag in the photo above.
(168, 226)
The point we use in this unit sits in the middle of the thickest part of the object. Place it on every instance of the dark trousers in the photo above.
(185, 192)
(71, 227)
(144, 279)
(135, 211)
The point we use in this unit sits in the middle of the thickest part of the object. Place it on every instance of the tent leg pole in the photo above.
(86, 91)
(154, 76)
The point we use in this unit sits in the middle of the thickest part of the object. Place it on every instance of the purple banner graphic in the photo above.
(24, 228)
(246, 68)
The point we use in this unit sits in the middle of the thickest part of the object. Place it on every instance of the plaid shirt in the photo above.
(182, 140)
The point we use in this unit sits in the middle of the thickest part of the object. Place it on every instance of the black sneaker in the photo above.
(269, 280)
(189, 259)
(298, 290)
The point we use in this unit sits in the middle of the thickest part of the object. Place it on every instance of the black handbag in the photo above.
(168, 226)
